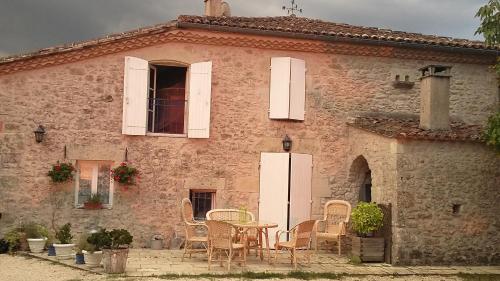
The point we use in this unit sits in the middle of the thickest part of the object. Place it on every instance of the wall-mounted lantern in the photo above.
(287, 143)
(39, 133)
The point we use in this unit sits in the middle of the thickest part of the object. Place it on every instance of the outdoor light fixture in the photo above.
(39, 133)
(287, 143)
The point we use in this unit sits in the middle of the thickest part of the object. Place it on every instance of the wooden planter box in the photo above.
(368, 249)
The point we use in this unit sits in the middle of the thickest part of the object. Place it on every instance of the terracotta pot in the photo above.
(92, 206)
(114, 261)
(64, 250)
(93, 259)
(36, 245)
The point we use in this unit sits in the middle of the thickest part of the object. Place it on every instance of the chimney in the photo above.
(435, 97)
(217, 8)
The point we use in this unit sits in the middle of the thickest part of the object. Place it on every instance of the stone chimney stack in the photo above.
(435, 97)
(217, 8)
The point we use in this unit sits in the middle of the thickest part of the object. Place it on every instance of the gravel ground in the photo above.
(17, 268)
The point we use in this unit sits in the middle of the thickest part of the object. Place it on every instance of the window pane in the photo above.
(85, 183)
(202, 203)
(103, 178)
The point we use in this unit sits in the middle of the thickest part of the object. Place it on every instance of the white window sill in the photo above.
(167, 135)
(106, 207)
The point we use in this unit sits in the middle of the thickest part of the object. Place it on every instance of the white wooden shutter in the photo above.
(200, 91)
(135, 96)
(273, 196)
(300, 188)
(279, 95)
(297, 89)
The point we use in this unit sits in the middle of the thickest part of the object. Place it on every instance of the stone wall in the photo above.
(434, 178)
(80, 104)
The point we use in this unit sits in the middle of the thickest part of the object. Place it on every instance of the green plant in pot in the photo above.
(93, 248)
(94, 202)
(114, 245)
(36, 235)
(367, 218)
(14, 238)
(65, 247)
(61, 172)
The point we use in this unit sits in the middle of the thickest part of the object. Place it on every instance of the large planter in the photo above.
(64, 250)
(114, 261)
(36, 244)
(93, 259)
(368, 249)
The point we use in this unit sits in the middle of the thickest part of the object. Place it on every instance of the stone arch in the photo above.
(360, 178)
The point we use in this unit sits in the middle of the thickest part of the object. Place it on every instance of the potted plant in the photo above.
(65, 248)
(93, 250)
(36, 235)
(61, 172)
(125, 174)
(115, 245)
(94, 202)
(80, 246)
(51, 251)
(367, 218)
(13, 238)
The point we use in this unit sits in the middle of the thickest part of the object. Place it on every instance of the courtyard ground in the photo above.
(29, 268)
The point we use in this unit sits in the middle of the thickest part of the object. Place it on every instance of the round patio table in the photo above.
(262, 229)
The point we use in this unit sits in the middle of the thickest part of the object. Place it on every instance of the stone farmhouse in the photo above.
(201, 105)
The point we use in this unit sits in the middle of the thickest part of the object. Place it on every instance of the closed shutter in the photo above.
(300, 188)
(200, 90)
(135, 95)
(279, 95)
(297, 89)
(273, 194)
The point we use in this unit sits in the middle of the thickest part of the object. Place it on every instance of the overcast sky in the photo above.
(28, 25)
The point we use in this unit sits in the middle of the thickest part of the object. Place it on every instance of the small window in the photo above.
(203, 201)
(167, 99)
(93, 177)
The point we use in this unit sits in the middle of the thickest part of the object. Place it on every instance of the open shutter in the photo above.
(279, 96)
(300, 188)
(297, 89)
(200, 91)
(273, 194)
(135, 96)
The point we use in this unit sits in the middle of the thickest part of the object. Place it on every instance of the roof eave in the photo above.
(329, 38)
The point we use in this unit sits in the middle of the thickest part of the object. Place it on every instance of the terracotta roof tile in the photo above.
(408, 128)
(300, 25)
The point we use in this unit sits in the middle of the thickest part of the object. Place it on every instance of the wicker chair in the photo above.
(193, 229)
(300, 239)
(333, 226)
(220, 240)
(229, 215)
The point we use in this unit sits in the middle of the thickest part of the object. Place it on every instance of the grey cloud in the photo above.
(27, 25)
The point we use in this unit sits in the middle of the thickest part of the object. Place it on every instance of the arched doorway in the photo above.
(360, 177)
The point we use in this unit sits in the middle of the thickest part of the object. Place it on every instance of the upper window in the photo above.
(166, 99)
(93, 177)
(154, 98)
(287, 88)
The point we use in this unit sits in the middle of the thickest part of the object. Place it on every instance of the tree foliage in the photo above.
(489, 15)
(492, 132)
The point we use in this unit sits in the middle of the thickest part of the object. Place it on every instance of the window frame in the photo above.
(212, 199)
(153, 65)
(95, 176)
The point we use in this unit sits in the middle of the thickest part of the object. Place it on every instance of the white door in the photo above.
(273, 197)
(300, 188)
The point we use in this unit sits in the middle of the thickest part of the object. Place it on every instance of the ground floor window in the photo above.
(93, 178)
(203, 201)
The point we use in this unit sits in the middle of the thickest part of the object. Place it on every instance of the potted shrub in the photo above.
(93, 250)
(80, 246)
(94, 202)
(51, 251)
(61, 172)
(125, 174)
(367, 218)
(37, 237)
(65, 248)
(115, 245)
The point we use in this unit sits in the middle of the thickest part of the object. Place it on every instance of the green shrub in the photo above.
(95, 199)
(492, 133)
(366, 218)
(37, 231)
(64, 234)
(13, 238)
(114, 239)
